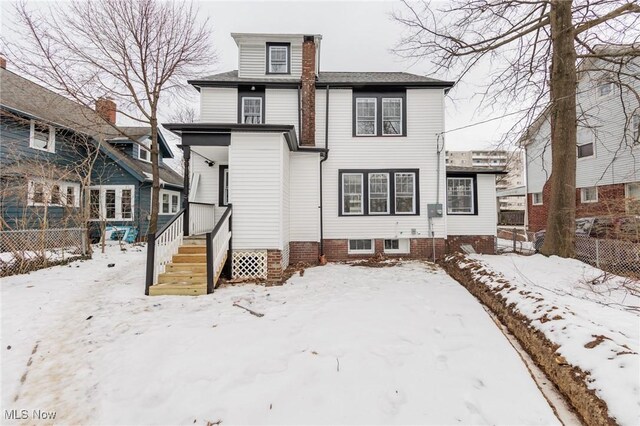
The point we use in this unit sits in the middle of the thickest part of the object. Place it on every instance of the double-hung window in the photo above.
(366, 116)
(111, 202)
(585, 146)
(169, 202)
(252, 110)
(42, 136)
(278, 58)
(405, 193)
(352, 193)
(391, 116)
(143, 153)
(460, 194)
(589, 195)
(379, 114)
(378, 192)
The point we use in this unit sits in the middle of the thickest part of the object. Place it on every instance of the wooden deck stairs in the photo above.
(186, 275)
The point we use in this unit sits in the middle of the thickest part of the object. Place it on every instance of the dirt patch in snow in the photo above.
(570, 380)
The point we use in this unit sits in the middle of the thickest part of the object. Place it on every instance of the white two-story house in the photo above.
(607, 151)
(325, 165)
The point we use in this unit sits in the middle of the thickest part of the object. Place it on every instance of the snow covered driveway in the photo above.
(339, 345)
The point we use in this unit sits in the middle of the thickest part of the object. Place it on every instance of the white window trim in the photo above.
(375, 116)
(286, 59)
(139, 149)
(627, 195)
(48, 185)
(361, 194)
(364, 251)
(583, 199)
(382, 112)
(533, 199)
(170, 194)
(52, 138)
(103, 208)
(592, 140)
(413, 199)
(403, 246)
(388, 194)
(601, 83)
(252, 98)
(473, 198)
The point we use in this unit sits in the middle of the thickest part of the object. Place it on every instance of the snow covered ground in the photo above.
(341, 344)
(594, 318)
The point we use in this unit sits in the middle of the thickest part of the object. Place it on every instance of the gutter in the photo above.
(324, 158)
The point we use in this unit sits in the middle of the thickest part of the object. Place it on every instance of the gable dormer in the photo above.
(277, 56)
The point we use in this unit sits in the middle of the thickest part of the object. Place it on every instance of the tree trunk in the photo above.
(155, 170)
(560, 235)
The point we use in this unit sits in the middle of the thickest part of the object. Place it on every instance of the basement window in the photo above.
(536, 198)
(589, 195)
(396, 246)
(360, 247)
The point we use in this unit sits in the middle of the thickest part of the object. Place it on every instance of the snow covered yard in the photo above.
(593, 318)
(341, 344)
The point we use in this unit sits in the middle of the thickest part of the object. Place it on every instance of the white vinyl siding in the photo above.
(252, 61)
(425, 118)
(219, 105)
(285, 205)
(255, 180)
(321, 113)
(281, 106)
(305, 197)
(207, 187)
(484, 223)
(615, 160)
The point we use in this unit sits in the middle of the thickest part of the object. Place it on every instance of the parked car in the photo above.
(604, 227)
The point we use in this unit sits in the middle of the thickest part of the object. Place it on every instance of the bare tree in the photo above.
(136, 52)
(534, 48)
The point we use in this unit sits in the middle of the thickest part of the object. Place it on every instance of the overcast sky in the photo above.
(357, 36)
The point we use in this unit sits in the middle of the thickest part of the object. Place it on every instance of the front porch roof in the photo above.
(219, 134)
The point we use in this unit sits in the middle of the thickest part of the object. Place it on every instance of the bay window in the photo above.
(378, 192)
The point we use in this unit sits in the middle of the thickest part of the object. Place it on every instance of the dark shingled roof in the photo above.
(340, 78)
(26, 97)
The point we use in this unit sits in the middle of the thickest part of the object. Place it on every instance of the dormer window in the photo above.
(278, 58)
(143, 153)
(42, 136)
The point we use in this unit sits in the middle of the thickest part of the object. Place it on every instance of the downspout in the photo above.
(326, 156)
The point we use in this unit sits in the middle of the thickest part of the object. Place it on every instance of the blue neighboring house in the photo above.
(57, 156)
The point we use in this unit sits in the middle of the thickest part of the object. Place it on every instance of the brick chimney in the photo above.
(106, 109)
(3, 63)
(308, 95)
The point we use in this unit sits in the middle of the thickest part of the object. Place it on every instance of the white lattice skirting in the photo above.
(250, 264)
(285, 257)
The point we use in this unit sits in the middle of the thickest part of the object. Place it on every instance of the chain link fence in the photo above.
(620, 257)
(31, 249)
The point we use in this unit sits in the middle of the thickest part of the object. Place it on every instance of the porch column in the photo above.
(186, 158)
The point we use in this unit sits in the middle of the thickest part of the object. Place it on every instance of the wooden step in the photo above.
(178, 288)
(186, 267)
(198, 240)
(183, 276)
(192, 249)
(189, 258)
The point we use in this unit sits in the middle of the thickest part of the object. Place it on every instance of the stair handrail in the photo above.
(175, 227)
(218, 241)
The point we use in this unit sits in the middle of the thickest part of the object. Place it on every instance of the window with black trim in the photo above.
(379, 113)
(278, 58)
(461, 195)
(223, 185)
(378, 192)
